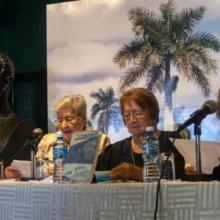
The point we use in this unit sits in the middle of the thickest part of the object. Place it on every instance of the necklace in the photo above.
(138, 150)
(132, 156)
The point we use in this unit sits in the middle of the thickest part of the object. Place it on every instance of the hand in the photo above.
(12, 173)
(189, 170)
(127, 171)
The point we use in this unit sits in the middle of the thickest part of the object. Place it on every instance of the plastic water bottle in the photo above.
(59, 157)
(150, 145)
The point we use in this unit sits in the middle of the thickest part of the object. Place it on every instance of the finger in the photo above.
(115, 174)
(11, 169)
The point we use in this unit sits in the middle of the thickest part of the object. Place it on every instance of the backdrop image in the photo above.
(101, 48)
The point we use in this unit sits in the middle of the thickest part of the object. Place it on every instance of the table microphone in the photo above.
(208, 107)
(37, 134)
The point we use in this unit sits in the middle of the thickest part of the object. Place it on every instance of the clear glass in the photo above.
(167, 166)
(1, 169)
(39, 169)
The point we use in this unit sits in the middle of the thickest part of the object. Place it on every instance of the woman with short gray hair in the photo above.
(71, 117)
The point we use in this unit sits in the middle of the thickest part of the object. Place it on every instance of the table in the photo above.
(117, 201)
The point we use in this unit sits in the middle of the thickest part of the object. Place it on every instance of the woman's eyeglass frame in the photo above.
(67, 120)
(138, 114)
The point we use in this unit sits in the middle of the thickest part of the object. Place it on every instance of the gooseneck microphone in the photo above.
(37, 134)
(208, 107)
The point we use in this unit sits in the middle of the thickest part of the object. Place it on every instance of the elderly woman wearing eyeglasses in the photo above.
(71, 117)
(139, 109)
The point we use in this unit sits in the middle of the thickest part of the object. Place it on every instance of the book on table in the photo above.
(82, 156)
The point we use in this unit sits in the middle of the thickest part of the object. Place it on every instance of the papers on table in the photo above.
(23, 166)
(210, 152)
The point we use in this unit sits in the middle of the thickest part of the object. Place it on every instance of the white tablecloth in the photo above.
(118, 201)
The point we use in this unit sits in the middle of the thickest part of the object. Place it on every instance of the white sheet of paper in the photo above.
(23, 166)
(210, 151)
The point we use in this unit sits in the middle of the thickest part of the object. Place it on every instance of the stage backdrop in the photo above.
(83, 39)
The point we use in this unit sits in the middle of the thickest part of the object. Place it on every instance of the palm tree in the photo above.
(105, 108)
(162, 42)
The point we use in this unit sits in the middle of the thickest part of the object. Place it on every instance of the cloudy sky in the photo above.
(83, 37)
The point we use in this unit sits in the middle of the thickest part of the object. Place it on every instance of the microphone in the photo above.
(208, 107)
(37, 134)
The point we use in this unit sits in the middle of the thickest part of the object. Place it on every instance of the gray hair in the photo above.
(75, 103)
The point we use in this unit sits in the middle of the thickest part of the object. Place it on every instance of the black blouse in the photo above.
(119, 152)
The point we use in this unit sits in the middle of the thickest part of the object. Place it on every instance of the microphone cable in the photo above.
(161, 174)
(26, 144)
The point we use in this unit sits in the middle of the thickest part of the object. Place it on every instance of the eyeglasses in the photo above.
(138, 114)
(68, 120)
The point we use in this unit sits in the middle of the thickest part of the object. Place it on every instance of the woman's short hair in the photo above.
(75, 103)
(144, 98)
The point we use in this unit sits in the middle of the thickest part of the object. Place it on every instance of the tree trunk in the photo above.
(168, 113)
(167, 84)
(168, 99)
(106, 121)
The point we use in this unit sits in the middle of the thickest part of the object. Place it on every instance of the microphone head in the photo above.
(37, 133)
(210, 106)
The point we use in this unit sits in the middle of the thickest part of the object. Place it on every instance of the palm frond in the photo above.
(95, 110)
(128, 53)
(144, 22)
(184, 22)
(149, 55)
(167, 10)
(207, 40)
(196, 56)
(155, 77)
(131, 76)
(201, 80)
(97, 95)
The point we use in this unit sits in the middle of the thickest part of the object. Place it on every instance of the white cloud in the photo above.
(83, 37)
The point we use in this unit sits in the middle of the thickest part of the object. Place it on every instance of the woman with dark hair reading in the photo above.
(123, 159)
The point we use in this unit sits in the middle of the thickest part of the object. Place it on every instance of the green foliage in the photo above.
(104, 108)
(164, 40)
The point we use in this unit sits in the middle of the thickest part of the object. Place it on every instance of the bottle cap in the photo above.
(149, 129)
(59, 135)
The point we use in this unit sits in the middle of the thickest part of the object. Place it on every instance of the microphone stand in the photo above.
(31, 145)
(197, 133)
(32, 161)
(198, 176)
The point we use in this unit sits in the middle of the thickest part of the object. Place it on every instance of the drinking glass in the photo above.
(39, 170)
(167, 166)
(1, 169)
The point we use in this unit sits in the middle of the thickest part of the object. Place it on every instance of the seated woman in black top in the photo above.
(140, 109)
